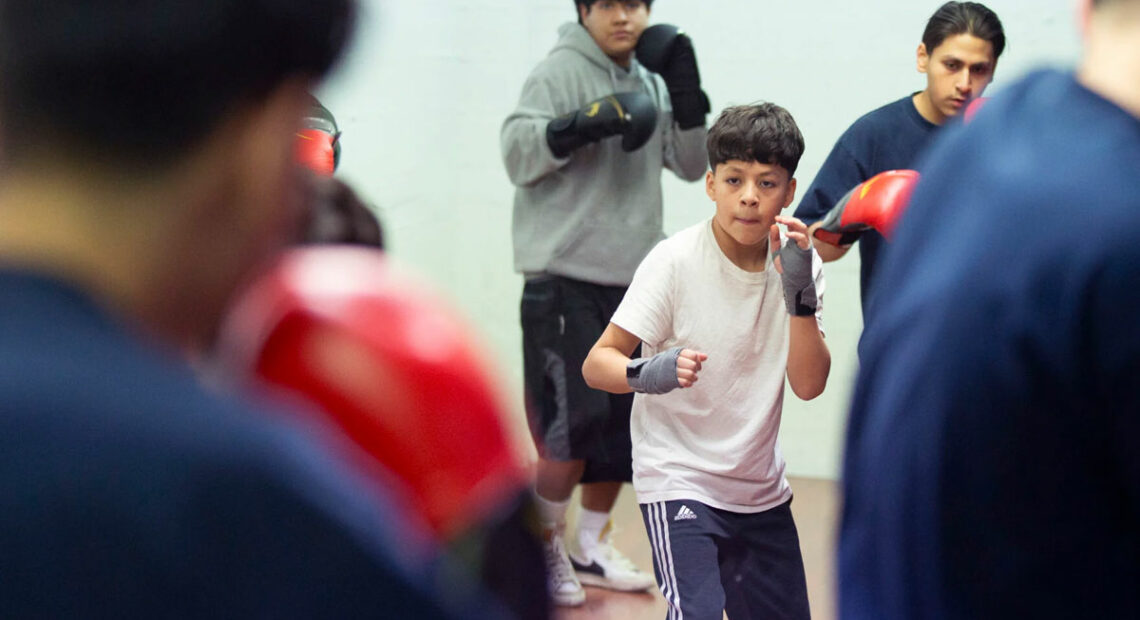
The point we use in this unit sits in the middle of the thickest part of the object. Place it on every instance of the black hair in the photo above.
(761, 132)
(589, 3)
(140, 82)
(973, 18)
(336, 214)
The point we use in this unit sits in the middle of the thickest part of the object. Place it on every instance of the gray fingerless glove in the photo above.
(654, 375)
(799, 286)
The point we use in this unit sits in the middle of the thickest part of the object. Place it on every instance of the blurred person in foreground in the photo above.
(991, 468)
(147, 172)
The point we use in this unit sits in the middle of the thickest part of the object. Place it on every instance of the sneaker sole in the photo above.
(590, 579)
(569, 600)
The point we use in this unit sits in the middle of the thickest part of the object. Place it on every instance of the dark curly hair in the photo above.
(762, 132)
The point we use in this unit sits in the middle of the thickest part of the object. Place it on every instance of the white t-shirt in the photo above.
(716, 441)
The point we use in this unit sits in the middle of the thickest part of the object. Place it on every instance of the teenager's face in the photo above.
(748, 196)
(957, 71)
(615, 26)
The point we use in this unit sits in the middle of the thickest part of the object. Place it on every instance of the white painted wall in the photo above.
(427, 84)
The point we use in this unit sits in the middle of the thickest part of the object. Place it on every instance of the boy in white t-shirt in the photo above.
(733, 301)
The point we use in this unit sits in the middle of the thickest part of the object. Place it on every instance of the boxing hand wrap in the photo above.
(632, 115)
(654, 375)
(875, 203)
(666, 50)
(799, 285)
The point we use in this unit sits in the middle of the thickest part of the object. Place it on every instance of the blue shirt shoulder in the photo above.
(130, 490)
(891, 137)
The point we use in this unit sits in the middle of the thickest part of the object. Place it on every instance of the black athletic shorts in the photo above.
(561, 319)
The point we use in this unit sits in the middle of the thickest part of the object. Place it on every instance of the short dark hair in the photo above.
(336, 214)
(761, 132)
(973, 18)
(589, 3)
(140, 82)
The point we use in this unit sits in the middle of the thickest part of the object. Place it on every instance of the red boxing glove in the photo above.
(972, 108)
(314, 150)
(875, 203)
(393, 366)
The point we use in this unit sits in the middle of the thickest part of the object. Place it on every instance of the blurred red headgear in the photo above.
(393, 365)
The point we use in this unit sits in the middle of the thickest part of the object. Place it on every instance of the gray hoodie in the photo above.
(595, 214)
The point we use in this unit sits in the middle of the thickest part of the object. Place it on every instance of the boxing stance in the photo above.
(708, 473)
(958, 54)
(598, 120)
(875, 204)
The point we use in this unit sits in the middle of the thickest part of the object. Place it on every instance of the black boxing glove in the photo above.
(667, 50)
(633, 116)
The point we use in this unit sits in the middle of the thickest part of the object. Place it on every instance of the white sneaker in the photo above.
(603, 565)
(563, 584)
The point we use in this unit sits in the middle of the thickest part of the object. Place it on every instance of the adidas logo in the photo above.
(685, 514)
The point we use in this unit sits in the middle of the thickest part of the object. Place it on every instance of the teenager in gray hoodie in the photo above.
(611, 106)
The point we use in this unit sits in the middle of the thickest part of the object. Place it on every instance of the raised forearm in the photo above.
(809, 360)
